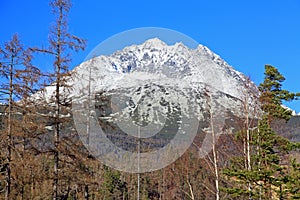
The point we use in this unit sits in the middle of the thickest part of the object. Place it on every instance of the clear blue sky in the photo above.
(247, 34)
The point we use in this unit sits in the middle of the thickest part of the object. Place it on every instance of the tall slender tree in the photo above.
(11, 57)
(15, 65)
(61, 43)
(214, 128)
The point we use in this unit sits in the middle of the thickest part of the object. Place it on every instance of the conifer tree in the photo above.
(272, 147)
(268, 177)
(293, 182)
(113, 186)
(272, 95)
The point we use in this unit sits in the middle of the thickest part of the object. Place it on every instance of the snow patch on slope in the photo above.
(176, 61)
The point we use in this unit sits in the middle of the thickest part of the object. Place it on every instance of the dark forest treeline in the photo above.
(42, 156)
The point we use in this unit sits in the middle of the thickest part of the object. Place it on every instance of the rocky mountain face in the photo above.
(188, 73)
(162, 94)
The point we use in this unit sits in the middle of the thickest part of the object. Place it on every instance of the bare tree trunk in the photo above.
(86, 187)
(56, 143)
(214, 143)
(86, 192)
(247, 138)
(23, 168)
(215, 159)
(190, 188)
(245, 149)
(9, 133)
(248, 150)
(32, 184)
(259, 163)
(56, 160)
(161, 196)
(57, 104)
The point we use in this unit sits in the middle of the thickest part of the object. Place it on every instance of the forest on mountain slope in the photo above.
(42, 156)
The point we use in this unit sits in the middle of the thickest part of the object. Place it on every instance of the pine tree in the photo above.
(293, 182)
(272, 95)
(113, 186)
(267, 176)
(273, 146)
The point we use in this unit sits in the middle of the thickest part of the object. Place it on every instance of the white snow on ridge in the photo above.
(156, 62)
(177, 61)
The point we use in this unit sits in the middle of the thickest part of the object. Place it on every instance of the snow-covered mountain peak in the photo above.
(154, 43)
(176, 61)
(157, 87)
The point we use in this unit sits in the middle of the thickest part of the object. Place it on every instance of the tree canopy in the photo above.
(272, 94)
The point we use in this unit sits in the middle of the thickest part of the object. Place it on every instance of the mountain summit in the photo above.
(154, 58)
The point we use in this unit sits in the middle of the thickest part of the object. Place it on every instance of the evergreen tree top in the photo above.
(272, 94)
(273, 79)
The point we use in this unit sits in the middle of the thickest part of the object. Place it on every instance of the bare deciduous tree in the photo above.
(18, 76)
(60, 44)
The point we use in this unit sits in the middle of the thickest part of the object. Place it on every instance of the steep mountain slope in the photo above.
(163, 95)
